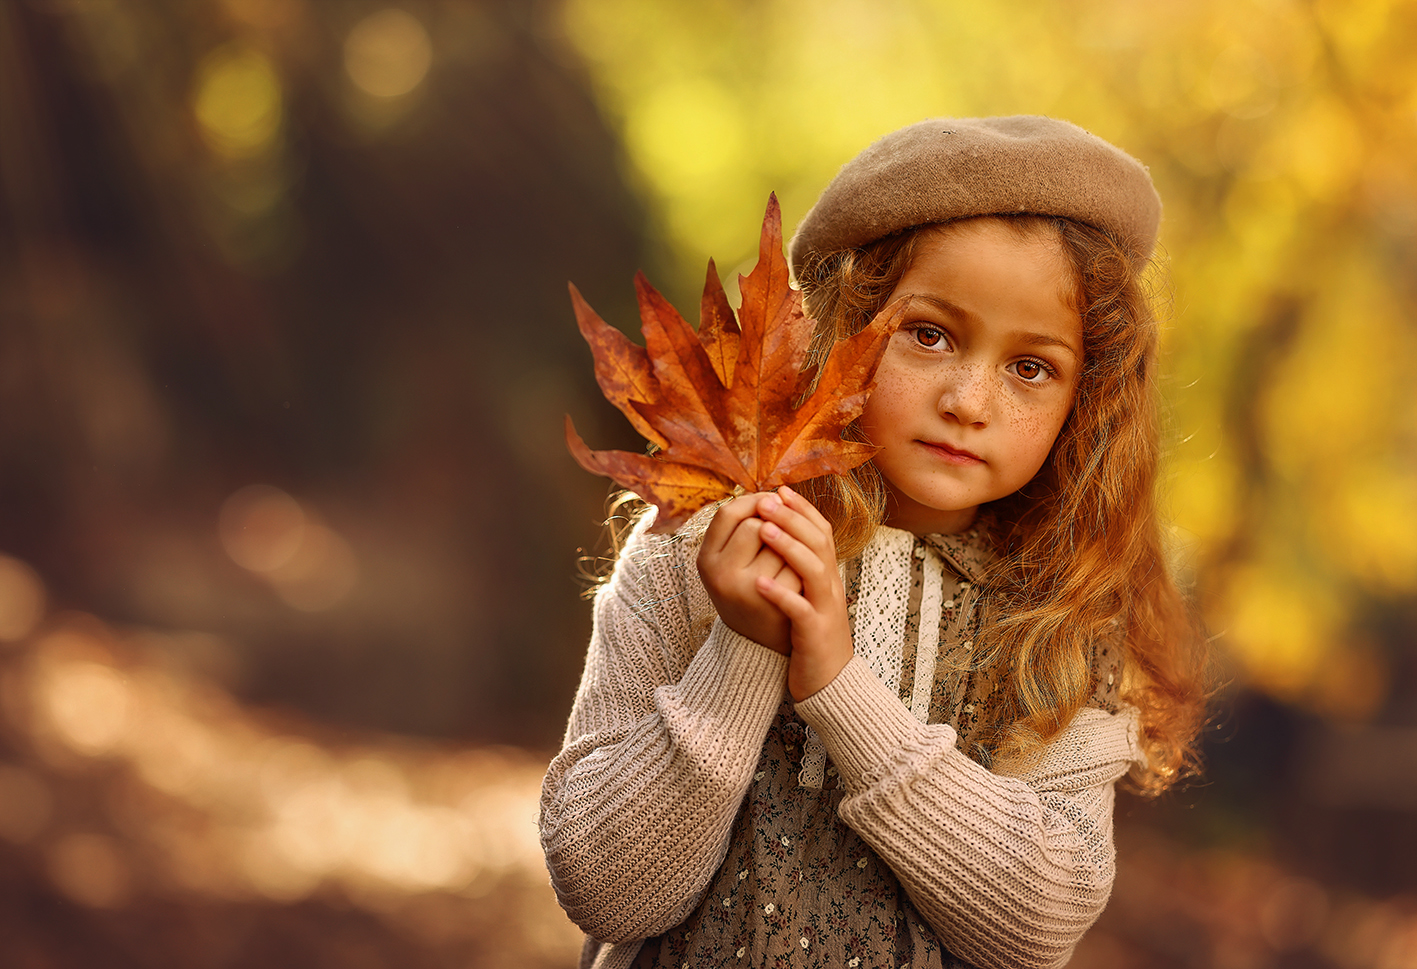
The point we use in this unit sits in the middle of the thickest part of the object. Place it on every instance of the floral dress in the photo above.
(798, 886)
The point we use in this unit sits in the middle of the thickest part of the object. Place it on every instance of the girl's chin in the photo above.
(926, 520)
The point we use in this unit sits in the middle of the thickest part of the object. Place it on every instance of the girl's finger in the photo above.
(798, 525)
(726, 521)
(767, 562)
(787, 577)
(745, 544)
(792, 604)
(807, 562)
(804, 507)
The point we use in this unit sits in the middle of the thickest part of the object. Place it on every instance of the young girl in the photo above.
(877, 720)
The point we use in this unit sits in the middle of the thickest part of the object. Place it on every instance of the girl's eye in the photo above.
(928, 336)
(1033, 371)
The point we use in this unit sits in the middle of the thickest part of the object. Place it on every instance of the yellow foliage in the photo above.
(1373, 531)
(1280, 136)
(1280, 627)
(1324, 147)
(1202, 499)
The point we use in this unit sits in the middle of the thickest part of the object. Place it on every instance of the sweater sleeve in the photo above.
(1010, 870)
(637, 809)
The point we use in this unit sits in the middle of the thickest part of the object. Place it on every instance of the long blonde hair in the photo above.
(1081, 558)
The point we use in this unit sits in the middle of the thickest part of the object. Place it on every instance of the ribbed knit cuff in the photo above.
(862, 723)
(733, 679)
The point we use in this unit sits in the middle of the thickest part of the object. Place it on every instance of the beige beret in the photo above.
(954, 168)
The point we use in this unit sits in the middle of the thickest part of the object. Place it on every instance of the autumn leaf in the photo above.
(721, 405)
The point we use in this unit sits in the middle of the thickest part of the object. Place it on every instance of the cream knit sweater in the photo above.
(668, 726)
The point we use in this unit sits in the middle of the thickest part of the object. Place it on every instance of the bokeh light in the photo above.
(222, 803)
(388, 53)
(90, 869)
(21, 599)
(87, 703)
(238, 102)
(268, 532)
(261, 528)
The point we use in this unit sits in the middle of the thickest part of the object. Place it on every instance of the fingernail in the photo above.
(770, 530)
(771, 502)
(786, 490)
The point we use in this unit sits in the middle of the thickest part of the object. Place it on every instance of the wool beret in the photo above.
(954, 168)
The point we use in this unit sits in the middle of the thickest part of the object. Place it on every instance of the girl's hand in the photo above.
(816, 603)
(732, 560)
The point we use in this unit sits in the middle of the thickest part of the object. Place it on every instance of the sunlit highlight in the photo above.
(388, 54)
(687, 130)
(86, 702)
(282, 816)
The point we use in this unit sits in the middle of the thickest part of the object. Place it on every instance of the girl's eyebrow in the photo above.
(940, 303)
(1032, 339)
(1027, 337)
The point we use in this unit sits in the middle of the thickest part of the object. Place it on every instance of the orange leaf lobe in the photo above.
(724, 405)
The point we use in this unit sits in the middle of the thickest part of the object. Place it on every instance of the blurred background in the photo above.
(289, 595)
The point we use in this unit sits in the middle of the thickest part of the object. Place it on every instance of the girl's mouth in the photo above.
(954, 455)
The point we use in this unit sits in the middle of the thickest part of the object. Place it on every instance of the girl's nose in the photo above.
(966, 396)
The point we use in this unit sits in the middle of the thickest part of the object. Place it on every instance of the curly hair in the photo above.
(1081, 556)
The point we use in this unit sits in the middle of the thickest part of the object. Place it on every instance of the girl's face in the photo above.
(977, 382)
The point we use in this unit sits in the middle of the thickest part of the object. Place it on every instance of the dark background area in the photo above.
(386, 339)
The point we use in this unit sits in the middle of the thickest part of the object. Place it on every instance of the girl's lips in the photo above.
(954, 455)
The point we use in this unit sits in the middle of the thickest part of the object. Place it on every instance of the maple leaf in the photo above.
(721, 405)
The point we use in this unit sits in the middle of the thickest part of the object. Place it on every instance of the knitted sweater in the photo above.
(668, 769)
